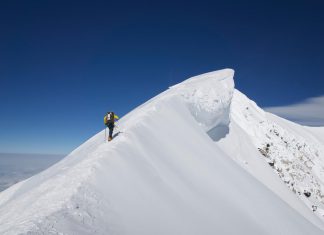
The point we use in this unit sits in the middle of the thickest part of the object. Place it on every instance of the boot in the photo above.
(109, 138)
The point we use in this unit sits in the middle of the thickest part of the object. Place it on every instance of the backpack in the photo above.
(109, 118)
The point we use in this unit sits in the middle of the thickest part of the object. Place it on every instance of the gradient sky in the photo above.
(63, 64)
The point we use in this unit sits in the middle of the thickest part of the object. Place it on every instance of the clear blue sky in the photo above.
(63, 64)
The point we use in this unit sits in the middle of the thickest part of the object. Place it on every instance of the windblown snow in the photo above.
(200, 158)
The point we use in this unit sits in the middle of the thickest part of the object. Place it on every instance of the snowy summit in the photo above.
(200, 158)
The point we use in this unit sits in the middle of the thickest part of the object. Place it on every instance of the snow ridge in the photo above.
(292, 151)
(184, 162)
(208, 97)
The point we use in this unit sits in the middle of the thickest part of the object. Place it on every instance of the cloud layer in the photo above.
(309, 112)
(17, 167)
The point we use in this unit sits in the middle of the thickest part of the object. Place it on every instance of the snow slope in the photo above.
(189, 161)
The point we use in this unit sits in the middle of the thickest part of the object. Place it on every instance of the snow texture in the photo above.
(192, 160)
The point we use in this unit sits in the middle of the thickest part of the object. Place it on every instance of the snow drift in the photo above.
(200, 158)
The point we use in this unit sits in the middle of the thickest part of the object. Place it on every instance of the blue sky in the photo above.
(63, 64)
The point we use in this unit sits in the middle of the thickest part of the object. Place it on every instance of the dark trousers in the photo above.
(111, 128)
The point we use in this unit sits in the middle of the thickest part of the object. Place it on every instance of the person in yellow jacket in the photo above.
(109, 121)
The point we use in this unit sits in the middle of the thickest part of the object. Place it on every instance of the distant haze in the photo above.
(17, 167)
(309, 112)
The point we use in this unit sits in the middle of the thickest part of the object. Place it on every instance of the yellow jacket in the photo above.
(105, 118)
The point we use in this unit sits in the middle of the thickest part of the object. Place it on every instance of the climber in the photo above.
(109, 120)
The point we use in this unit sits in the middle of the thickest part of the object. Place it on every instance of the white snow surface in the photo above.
(192, 160)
